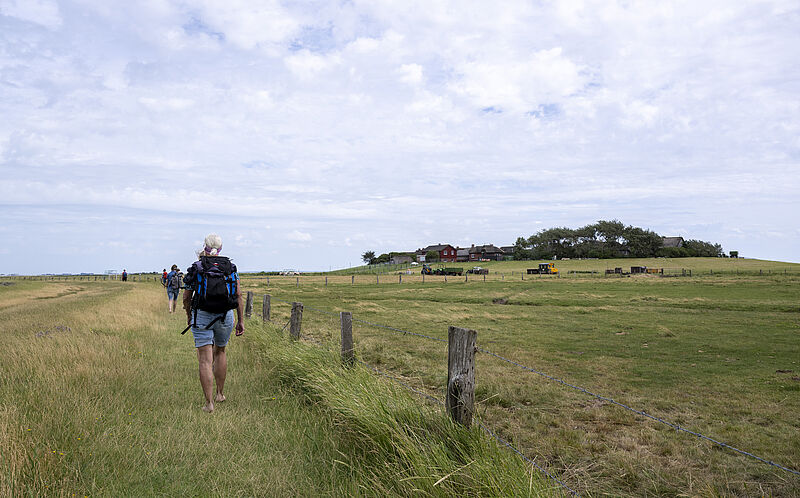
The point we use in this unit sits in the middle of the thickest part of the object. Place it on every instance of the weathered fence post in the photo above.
(296, 320)
(461, 374)
(399, 278)
(248, 307)
(484, 277)
(267, 281)
(502, 276)
(265, 308)
(466, 277)
(352, 279)
(377, 279)
(423, 278)
(348, 353)
(326, 281)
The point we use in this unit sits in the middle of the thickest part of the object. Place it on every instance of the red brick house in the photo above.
(446, 252)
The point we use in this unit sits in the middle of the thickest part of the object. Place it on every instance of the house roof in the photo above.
(462, 252)
(486, 248)
(437, 248)
(671, 241)
(507, 249)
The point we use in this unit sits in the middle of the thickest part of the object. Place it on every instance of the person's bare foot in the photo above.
(219, 398)
(208, 407)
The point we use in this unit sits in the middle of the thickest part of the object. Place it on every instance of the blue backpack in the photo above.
(215, 283)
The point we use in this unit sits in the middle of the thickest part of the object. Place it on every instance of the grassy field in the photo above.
(716, 353)
(99, 397)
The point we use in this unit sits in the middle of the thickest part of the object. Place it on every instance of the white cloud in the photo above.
(298, 236)
(43, 12)
(336, 119)
(411, 74)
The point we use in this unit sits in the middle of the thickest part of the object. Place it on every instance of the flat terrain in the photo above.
(717, 353)
(99, 397)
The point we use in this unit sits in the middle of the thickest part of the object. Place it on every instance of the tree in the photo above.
(368, 257)
(431, 256)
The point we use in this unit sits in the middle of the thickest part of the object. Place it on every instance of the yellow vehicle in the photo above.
(544, 269)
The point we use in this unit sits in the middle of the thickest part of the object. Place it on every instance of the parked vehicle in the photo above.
(477, 270)
(441, 270)
(544, 269)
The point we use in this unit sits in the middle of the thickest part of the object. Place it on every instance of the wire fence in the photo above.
(422, 394)
(583, 390)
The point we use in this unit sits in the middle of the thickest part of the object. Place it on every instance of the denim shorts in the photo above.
(172, 293)
(218, 334)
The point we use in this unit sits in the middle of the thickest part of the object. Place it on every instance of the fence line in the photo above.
(643, 413)
(430, 398)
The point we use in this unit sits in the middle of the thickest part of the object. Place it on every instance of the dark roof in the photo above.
(437, 248)
(487, 248)
(507, 249)
(462, 252)
(671, 241)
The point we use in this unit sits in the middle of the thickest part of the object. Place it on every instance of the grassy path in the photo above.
(99, 397)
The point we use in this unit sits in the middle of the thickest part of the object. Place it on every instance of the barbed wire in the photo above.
(639, 412)
(438, 402)
(643, 413)
(480, 424)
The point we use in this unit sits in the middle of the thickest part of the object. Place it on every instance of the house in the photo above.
(446, 252)
(462, 254)
(399, 259)
(486, 251)
(671, 241)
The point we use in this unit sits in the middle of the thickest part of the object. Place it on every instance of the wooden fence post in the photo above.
(461, 374)
(296, 320)
(423, 278)
(248, 307)
(399, 278)
(484, 277)
(265, 308)
(326, 281)
(348, 353)
(377, 279)
(352, 279)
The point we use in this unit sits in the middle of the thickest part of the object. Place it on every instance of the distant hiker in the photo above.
(212, 293)
(172, 281)
(124, 275)
(164, 277)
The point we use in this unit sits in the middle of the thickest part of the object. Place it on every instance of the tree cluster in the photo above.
(605, 239)
(369, 257)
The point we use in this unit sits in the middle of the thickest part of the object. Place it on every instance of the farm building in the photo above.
(446, 252)
(671, 241)
(486, 251)
(462, 254)
(399, 259)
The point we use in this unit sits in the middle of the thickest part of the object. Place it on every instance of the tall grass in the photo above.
(99, 396)
(718, 355)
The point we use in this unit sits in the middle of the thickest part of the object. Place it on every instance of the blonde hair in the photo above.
(212, 245)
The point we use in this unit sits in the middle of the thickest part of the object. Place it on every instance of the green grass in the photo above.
(718, 354)
(99, 396)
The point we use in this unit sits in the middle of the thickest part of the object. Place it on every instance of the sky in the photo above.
(306, 133)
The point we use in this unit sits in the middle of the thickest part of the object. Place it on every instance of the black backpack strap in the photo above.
(212, 322)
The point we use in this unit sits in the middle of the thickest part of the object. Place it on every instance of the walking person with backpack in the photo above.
(172, 281)
(212, 292)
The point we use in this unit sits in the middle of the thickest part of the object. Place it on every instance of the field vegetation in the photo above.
(99, 396)
(717, 353)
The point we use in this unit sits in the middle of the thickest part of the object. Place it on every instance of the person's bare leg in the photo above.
(171, 305)
(204, 359)
(220, 370)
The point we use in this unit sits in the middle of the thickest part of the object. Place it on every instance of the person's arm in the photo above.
(239, 309)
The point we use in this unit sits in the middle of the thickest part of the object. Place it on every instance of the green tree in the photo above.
(368, 257)
(431, 257)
